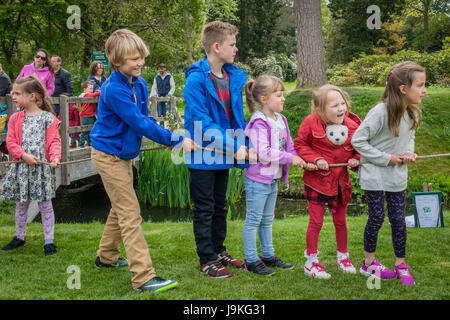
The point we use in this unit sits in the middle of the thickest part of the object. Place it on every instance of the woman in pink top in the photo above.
(42, 69)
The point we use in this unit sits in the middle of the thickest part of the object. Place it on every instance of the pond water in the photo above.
(92, 204)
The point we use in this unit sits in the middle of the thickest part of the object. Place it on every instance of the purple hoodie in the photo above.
(45, 76)
(259, 132)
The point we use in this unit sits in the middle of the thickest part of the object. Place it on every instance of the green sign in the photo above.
(101, 57)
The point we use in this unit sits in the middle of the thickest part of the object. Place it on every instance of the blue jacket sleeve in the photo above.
(196, 110)
(126, 109)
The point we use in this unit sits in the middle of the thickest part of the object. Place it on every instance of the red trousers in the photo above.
(316, 212)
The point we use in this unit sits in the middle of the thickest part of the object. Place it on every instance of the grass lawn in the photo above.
(27, 274)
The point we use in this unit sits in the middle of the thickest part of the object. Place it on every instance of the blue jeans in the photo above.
(163, 108)
(260, 200)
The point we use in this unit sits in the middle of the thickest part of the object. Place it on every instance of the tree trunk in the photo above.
(426, 36)
(188, 29)
(311, 70)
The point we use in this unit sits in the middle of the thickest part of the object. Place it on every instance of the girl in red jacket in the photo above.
(32, 137)
(322, 182)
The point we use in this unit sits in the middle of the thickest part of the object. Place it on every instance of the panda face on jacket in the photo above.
(337, 133)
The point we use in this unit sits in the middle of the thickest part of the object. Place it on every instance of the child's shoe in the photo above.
(344, 263)
(121, 262)
(258, 267)
(316, 270)
(15, 243)
(277, 262)
(226, 260)
(404, 275)
(215, 269)
(157, 284)
(49, 249)
(377, 270)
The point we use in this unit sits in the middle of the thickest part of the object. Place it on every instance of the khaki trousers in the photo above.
(124, 219)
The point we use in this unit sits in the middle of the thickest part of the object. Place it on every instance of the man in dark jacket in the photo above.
(5, 83)
(63, 81)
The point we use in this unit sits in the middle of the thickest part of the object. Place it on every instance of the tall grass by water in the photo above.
(161, 182)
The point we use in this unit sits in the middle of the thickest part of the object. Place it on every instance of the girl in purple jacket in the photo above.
(269, 135)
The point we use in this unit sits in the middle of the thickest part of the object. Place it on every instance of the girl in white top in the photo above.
(385, 140)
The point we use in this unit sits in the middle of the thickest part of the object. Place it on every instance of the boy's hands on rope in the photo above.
(353, 163)
(189, 145)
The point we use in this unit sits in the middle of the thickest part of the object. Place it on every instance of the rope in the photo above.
(331, 165)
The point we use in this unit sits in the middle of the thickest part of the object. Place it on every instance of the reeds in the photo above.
(163, 183)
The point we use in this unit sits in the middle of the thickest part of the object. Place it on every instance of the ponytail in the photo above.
(249, 96)
(31, 84)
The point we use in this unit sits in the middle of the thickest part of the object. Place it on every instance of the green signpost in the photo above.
(101, 57)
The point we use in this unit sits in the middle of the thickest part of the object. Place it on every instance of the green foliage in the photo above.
(372, 69)
(163, 183)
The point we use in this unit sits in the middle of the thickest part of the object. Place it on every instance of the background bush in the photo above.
(371, 70)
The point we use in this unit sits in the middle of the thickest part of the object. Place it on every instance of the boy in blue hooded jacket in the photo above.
(116, 139)
(214, 118)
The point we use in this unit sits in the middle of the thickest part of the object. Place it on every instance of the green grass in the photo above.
(27, 274)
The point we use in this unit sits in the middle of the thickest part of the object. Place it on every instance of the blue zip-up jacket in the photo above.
(121, 122)
(206, 121)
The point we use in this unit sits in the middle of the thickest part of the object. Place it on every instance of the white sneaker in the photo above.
(346, 266)
(316, 270)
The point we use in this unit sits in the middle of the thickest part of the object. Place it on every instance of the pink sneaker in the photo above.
(377, 270)
(404, 275)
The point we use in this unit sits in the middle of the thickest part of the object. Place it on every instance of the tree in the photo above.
(311, 71)
(426, 9)
(352, 16)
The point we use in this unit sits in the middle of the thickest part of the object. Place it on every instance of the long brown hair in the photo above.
(47, 61)
(264, 85)
(31, 84)
(401, 74)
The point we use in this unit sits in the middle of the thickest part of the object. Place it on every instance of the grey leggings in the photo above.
(396, 213)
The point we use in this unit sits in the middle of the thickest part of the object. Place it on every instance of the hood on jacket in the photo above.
(204, 67)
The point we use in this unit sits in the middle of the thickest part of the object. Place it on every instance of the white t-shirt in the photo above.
(278, 131)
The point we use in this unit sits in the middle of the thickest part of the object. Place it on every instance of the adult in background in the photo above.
(163, 86)
(63, 81)
(5, 83)
(5, 88)
(97, 76)
(42, 69)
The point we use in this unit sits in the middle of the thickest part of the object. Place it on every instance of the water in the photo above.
(93, 204)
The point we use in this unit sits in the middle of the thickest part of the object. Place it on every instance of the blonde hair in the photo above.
(31, 84)
(121, 44)
(216, 31)
(401, 74)
(264, 85)
(319, 99)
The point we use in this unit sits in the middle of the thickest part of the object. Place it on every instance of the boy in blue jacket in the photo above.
(116, 139)
(214, 118)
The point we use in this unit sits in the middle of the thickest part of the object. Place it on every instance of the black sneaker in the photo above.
(15, 243)
(277, 262)
(49, 249)
(258, 267)
(121, 262)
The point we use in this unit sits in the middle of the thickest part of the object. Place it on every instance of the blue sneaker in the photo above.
(157, 284)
